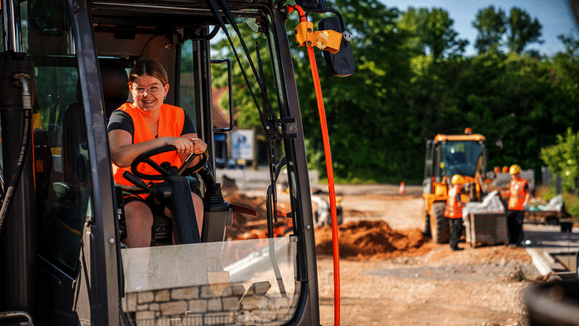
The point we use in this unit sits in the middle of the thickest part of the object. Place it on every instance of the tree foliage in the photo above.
(432, 29)
(563, 158)
(491, 26)
(570, 42)
(412, 81)
(523, 30)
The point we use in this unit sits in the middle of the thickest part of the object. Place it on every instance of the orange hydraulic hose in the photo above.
(329, 169)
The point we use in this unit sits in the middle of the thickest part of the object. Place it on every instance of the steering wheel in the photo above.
(146, 158)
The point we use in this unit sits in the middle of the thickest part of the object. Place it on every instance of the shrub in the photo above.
(563, 158)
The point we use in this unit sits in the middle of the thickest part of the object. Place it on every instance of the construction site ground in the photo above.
(421, 283)
(390, 274)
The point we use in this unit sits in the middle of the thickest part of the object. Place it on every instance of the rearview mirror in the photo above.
(341, 64)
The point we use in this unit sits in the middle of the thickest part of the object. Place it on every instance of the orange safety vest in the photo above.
(171, 121)
(453, 204)
(518, 194)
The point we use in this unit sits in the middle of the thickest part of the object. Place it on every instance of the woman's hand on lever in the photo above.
(182, 144)
(199, 146)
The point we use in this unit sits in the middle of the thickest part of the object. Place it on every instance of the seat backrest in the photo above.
(458, 158)
(74, 145)
(115, 83)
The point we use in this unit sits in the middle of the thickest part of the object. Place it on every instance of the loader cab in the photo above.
(447, 155)
(462, 157)
(62, 254)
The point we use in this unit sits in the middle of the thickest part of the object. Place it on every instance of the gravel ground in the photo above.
(479, 286)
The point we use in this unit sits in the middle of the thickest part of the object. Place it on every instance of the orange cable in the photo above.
(329, 169)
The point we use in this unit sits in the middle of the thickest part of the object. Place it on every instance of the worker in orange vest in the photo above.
(453, 210)
(497, 170)
(519, 195)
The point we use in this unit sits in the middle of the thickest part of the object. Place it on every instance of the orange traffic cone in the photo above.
(401, 191)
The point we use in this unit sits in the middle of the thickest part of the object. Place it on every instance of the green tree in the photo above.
(523, 30)
(570, 42)
(412, 24)
(491, 26)
(563, 158)
(441, 37)
(432, 30)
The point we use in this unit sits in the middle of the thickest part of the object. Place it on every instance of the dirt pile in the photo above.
(360, 240)
(369, 240)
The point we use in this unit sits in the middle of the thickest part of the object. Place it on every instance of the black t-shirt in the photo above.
(122, 120)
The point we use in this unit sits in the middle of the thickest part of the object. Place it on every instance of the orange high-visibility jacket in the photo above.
(171, 121)
(453, 204)
(518, 194)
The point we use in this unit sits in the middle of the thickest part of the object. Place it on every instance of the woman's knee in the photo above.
(197, 204)
(138, 211)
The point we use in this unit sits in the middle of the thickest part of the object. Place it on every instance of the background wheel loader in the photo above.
(447, 155)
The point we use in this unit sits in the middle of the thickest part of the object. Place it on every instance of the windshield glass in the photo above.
(245, 282)
(461, 157)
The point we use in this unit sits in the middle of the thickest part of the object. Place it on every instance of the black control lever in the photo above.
(207, 176)
(135, 180)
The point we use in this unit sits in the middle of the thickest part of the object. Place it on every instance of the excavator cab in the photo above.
(63, 69)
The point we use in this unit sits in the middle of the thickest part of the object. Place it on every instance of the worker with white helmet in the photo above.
(519, 195)
(453, 210)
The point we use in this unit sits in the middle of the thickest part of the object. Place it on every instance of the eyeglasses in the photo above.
(150, 90)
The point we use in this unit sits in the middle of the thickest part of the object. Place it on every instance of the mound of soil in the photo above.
(370, 240)
(360, 240)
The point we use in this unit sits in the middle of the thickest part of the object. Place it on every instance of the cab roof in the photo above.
(474, 137)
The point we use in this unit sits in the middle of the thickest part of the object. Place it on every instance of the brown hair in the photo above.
(149, 68)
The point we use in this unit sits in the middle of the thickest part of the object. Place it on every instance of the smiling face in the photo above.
(148, 92)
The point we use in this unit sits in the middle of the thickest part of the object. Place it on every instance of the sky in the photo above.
(554, 15)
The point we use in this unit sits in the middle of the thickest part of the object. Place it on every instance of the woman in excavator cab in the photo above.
(148, 123)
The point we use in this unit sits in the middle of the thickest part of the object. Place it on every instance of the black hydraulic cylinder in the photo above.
(20, 223)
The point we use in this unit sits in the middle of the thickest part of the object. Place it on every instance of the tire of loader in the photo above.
(425, 222)
(439, 226)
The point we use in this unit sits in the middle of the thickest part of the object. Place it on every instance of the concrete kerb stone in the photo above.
(539, 261)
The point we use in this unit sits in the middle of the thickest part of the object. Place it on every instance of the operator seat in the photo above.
(115, 83)
(75, 157)
(458, 158)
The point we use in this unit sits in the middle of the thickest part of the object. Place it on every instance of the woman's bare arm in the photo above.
(124, 152)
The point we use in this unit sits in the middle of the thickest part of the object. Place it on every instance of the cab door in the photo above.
(75, 273)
